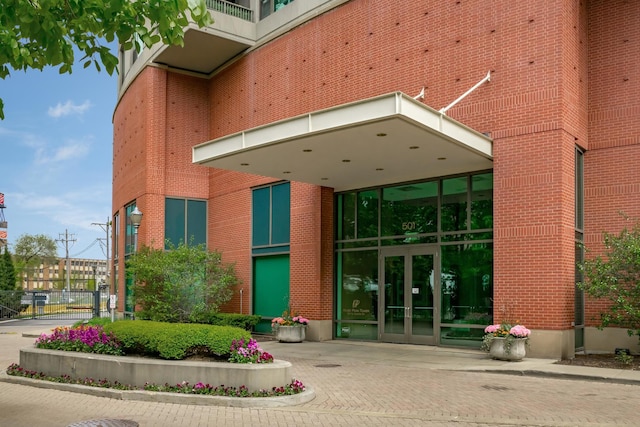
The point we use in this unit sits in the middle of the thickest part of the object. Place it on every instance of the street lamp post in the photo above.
(136, 217)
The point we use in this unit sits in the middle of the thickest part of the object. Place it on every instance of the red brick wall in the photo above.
(155, 125)
(366, 48)
(612, 175)
(549, 61)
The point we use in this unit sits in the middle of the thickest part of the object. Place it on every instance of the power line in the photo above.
(87, 248)
(66, 241)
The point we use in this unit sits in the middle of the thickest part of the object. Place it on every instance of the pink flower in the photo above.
(492, 329)
(519, 331)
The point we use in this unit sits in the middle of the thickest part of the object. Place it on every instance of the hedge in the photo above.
(175, 340)
(244, 321)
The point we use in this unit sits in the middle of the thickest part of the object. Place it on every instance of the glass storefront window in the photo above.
(452, 215)
(357, 293)
(410, 209)
(357, 331)
(461, 337)
(467, 284)
(482, 201)
(454, 204)
(347, 216)
(367, 211)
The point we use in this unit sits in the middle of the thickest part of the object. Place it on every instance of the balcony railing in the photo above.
(231, 9)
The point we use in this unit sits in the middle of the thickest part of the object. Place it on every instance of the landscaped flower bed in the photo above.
(294, 387)
(78, 355)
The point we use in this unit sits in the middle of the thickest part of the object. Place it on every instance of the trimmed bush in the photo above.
(244, 321)
(94, 321)
(175, 340)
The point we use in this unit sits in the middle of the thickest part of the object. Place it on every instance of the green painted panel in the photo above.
(281, 209)
(261, 216)
(196, 222)
(271, 250)
(270, 288)
(174, 219)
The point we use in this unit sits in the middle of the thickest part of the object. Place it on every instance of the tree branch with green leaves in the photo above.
(615, 277)
(35, 34)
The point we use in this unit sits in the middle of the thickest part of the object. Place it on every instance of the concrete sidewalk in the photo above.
(442, 358)
(406, 355)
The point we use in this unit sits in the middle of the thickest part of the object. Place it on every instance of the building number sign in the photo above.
(408, 225)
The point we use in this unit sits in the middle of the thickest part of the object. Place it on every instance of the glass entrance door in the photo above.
(408, 306)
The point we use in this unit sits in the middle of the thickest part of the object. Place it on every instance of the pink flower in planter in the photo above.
(519, 331)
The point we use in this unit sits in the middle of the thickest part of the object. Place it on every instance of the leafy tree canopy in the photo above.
(7, 272)
(616, 277)
(30, 250)
(39, 33)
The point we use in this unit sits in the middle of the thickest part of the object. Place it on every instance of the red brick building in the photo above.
(293, 137)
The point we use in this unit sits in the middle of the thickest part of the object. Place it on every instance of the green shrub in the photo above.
(175, 340)
(94, 321)
(180, 284)
(244, 321)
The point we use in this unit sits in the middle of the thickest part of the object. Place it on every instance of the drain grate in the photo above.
(328, 365)
(105, 423)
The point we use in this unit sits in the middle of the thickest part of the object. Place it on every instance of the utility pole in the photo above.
(105, 227)
(66, 241)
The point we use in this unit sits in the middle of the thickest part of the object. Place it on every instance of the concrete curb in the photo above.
(178, 398)
(560, 375)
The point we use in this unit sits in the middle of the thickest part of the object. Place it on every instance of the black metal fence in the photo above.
(53, 304)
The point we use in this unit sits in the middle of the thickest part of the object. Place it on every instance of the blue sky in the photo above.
(56, 155)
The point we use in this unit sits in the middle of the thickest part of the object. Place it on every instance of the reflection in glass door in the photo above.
(408, 301)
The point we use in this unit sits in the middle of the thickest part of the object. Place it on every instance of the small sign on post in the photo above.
(112, 306)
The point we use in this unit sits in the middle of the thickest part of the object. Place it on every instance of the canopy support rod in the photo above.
(487, 78)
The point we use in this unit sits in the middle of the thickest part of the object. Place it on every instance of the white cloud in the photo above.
(71, 149)
(69, 108)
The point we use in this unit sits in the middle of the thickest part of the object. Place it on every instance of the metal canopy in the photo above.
(382, 140)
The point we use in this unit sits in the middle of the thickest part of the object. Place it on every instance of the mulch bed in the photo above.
(602, 361)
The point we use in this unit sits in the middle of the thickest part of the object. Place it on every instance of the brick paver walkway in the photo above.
(354, 393)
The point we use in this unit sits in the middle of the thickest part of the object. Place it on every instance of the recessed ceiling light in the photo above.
(381, 134)
(346, 161)
(244, 164)
(413, 147)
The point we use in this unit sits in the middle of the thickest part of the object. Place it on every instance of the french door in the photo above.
(409, 300)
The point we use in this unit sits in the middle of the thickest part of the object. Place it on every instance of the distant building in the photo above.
(84, 274)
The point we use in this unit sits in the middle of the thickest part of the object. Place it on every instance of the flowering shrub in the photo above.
(289, 318)
(294, 387)
(87, 339)
(250, 352)
(504, 330)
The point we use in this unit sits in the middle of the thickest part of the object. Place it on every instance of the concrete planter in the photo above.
(515, 351)
(290, 333)
(137, 370)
